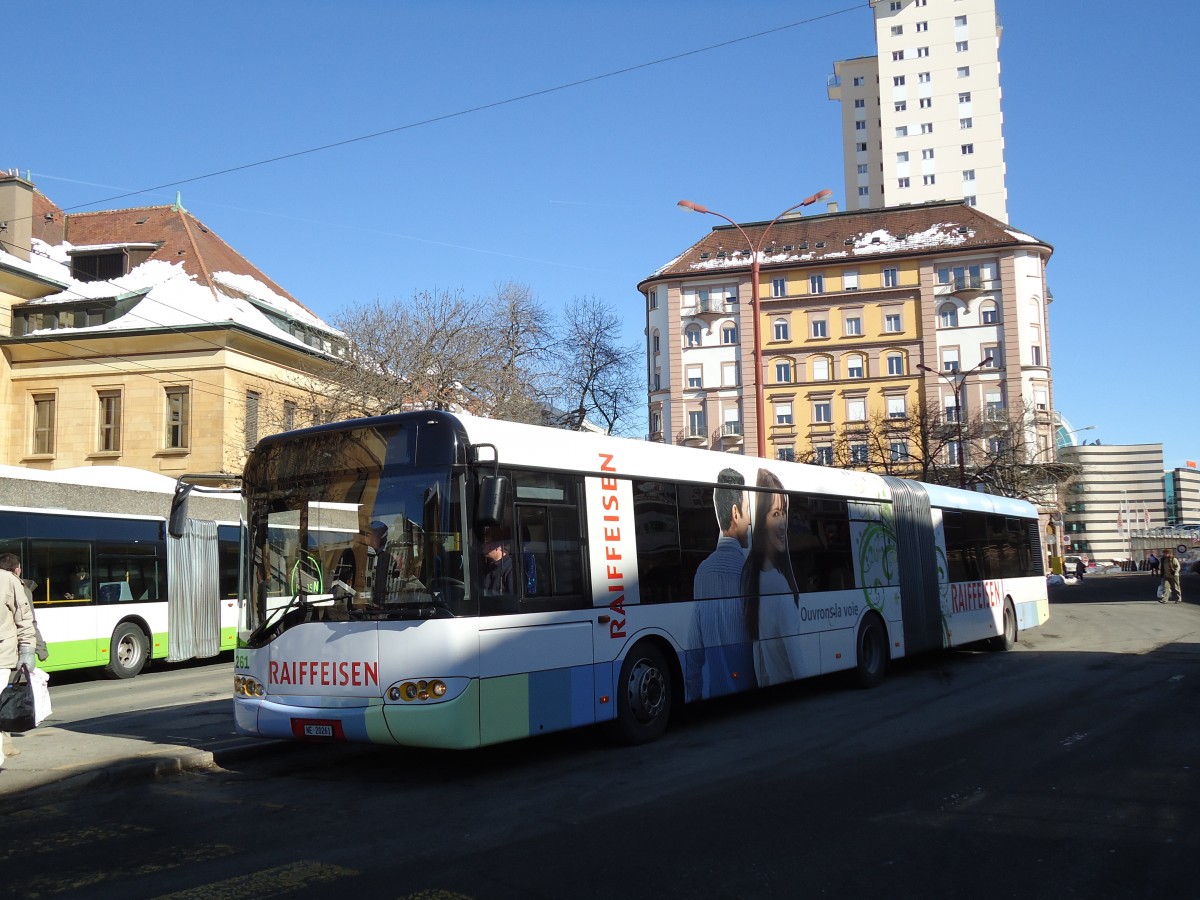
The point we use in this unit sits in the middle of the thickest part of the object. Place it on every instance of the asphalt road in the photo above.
(1065, 768)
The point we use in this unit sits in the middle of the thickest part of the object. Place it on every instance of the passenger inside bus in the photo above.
(81, 586)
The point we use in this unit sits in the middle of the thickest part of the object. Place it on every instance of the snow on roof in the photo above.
(173, 298)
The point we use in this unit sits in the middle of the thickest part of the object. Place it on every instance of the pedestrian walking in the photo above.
(17, 636)
(1080, 568)
(1153, 560)
(1170, 578)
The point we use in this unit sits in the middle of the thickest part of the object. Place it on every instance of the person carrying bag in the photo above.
(17, 641)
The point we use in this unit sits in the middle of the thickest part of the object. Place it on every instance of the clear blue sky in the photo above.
(573, 192)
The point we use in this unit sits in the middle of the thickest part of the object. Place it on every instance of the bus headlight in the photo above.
(245, 686)
(416, 691)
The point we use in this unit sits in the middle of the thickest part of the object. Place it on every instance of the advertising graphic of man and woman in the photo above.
(752, 592)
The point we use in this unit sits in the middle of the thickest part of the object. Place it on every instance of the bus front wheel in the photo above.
(872, 648)
(643, 696)
(127, 651)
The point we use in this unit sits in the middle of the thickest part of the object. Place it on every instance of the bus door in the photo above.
(536, 632)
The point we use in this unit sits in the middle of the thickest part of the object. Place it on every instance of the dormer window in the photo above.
(108, 261)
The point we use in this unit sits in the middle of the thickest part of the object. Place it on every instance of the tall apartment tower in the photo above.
(921, 121)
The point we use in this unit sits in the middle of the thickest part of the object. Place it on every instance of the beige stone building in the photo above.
(922, 119)
(137, 337)
(864, 315)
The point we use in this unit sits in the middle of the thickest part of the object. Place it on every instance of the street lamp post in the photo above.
(957, 384)
(754, 299)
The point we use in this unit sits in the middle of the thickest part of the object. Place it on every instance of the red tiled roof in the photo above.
(184, 239)
(846, 237)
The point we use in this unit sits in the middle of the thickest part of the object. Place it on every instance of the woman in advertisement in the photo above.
(769, 586)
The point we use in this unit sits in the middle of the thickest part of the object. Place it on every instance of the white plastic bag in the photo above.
(1160, 590)
(41, 695)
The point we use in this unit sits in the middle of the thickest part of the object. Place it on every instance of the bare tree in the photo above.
(598, 378)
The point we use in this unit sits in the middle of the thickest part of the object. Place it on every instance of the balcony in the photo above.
(965, 287)
(729, 435)
(692, 437)
(709, 308)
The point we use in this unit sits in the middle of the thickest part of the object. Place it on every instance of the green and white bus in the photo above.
(108, 589)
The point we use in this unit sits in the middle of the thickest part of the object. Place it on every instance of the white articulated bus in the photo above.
(474, 581)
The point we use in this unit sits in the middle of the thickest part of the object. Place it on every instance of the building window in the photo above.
(783, 373)
(960, 20)
(856, 410)
(696, 423)
(781, 330)
(896, 5)
(989, 314)
(926, 128)
(923, 78)
(783, 414)
(692, 336)
(853, 325)
(110, 421)
(816, 284)
(927, 153)
(968, 174)
(922, 26)
(902, 157)
(902, 182)
(954, 452)
(787, 454)
(922, 52)
(930, 179)
(964, 71)
(970, 200)
(729, 374)
(695, 377)
(823, 456)
(964, 123)
(860, 103)
(860, 125)
(897, 81)
(860, 147)
(289, 415)
(897, 30)
(850, 280)
(178, 415)
(778, 287)
(252, 400)
(859, 80)
(854, 367)
(895, 364)
(43, 423)
(891, 277)
(864, 191)
(926, 103)
(968, 149)
(819, 328)
(654, 341)
(900, 106)
(891, 323)
(960, 46)
(991, 356)
(652, 299)
(902, 131)
(948, 316)
(823, 411)
(858, 454)
(820, 368)
(899, 451)
(729, 334)
(897, 55)
(950, 361)
(1036, 354)
(964, 97)
(896, 408)
(862, 168)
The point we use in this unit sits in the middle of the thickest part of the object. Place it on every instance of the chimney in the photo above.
(832, 206)
(16, 214)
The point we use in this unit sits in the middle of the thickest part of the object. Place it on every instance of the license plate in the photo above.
(325, 731)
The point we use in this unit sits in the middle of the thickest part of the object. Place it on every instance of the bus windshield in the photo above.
(352, 524)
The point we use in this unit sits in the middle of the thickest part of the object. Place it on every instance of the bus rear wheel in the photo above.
(127, 651)
(643, 696)
(1007, 638)
(872, 647)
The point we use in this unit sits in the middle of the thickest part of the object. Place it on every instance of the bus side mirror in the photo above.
(493, 497)
(177, 524)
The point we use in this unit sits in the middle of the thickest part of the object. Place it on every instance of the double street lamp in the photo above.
(755, 249)
(957, 384)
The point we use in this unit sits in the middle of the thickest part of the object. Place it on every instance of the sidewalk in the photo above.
(143, 744)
